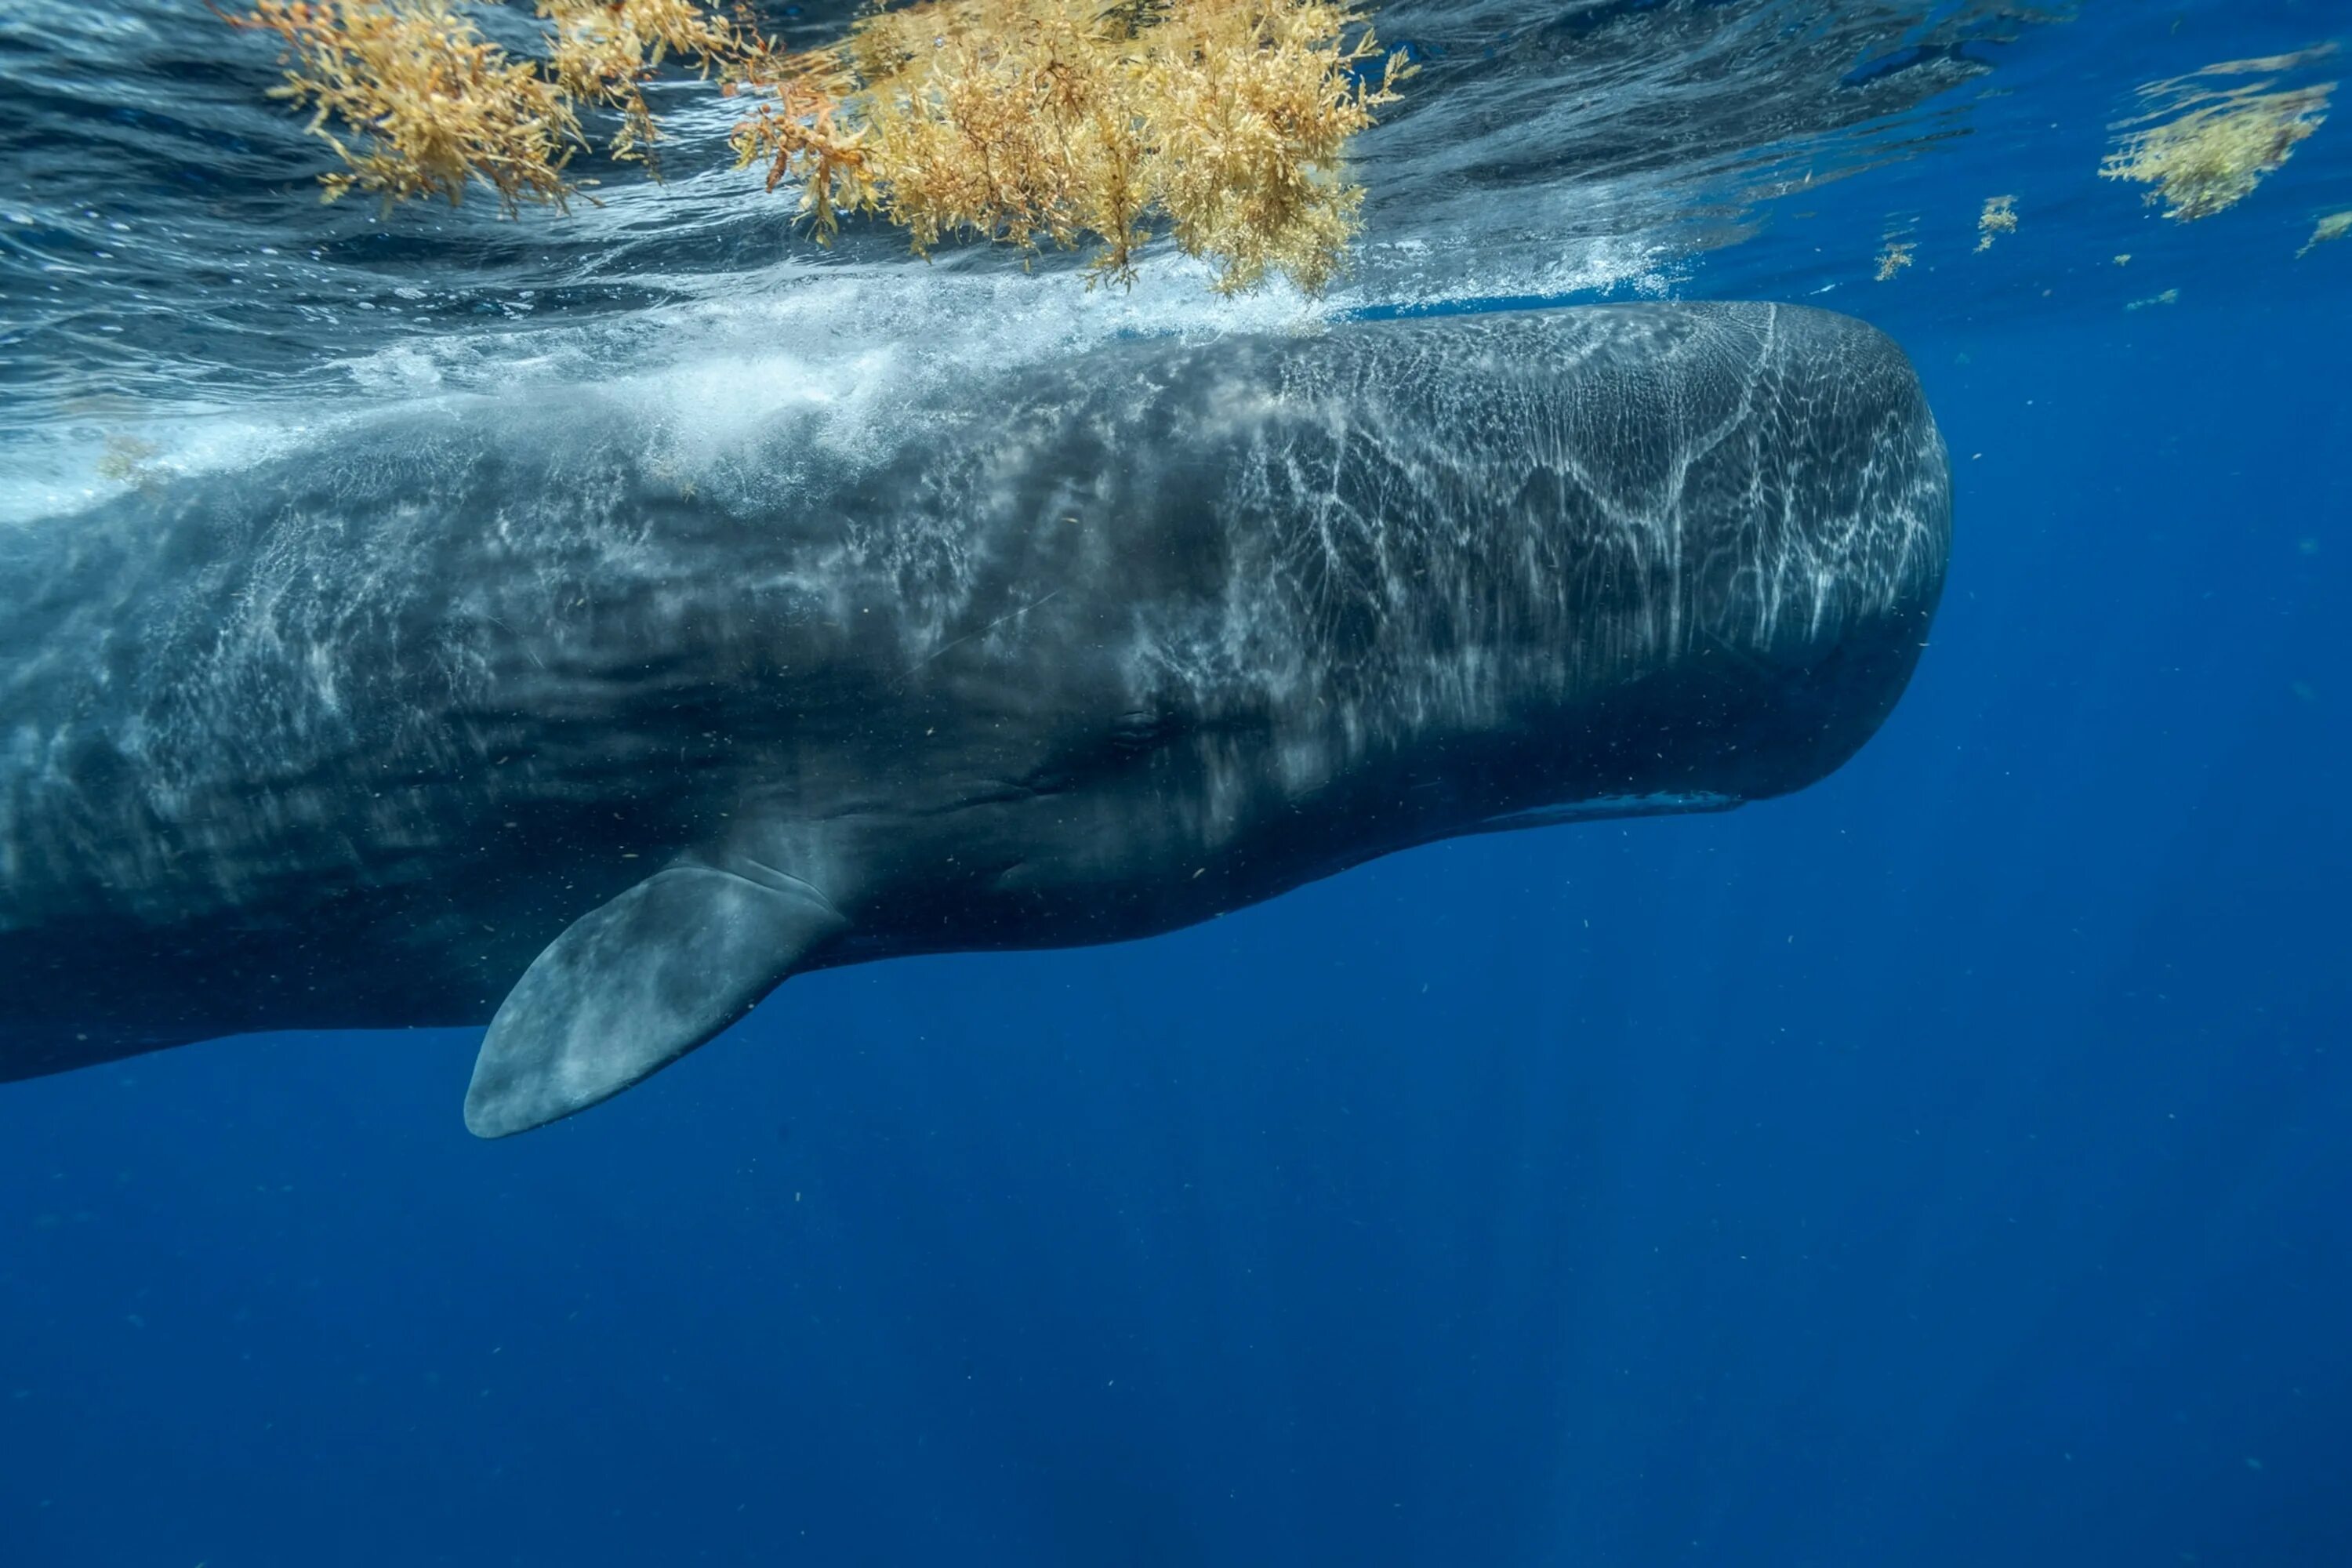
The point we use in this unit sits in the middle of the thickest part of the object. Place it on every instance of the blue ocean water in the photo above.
(1945, 1165)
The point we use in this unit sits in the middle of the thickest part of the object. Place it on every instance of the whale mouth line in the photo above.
(1666, 803)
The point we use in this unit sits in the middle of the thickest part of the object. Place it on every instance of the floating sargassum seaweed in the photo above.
(1024, 122)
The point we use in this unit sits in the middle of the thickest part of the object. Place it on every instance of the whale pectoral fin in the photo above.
(634, 986)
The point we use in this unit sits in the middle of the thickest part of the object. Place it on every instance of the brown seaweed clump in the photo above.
(1999, 218)
(2223, 136)
(2333, 226)
(433, 104)
(1064, 120)
(1029, 122)
(127, 459)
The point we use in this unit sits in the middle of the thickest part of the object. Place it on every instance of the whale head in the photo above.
(1558, 564)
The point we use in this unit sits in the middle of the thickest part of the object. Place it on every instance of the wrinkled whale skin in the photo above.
(554, 717)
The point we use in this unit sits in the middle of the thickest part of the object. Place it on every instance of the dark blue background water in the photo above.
(1948, 1165)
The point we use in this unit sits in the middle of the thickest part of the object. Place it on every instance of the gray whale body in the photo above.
(517, 715)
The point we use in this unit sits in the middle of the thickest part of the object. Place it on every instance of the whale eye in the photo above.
(1141, 730)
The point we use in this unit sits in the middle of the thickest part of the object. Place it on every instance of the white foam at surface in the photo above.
(853, 340)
